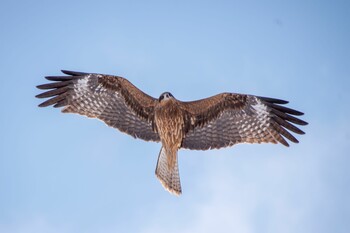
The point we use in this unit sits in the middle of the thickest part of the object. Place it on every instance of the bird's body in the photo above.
(215, 122)
(170, 123)
(170, 127)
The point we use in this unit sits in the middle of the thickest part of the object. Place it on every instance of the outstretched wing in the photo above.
(227, 119)
(111, 99)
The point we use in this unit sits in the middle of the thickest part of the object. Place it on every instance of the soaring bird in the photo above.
(219, 121)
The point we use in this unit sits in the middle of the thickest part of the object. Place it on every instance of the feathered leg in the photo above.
(167, 171)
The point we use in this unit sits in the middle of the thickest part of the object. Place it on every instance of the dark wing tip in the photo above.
(40, 87)
(55, 91)
(296, 141)
(295, 112)
(45, 104)
(286, 144)
(54, 85)
(73, 73)
(273, 100)
(283, 119)
(283, 109)
(301, 122)
(59, 78)
(39, 96)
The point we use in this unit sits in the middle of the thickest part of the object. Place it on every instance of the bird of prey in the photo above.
(219, 121)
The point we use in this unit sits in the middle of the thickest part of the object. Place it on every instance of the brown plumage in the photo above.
(215, 122)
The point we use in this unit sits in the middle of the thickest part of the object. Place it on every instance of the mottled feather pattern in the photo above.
(95, 96)
(250, 120)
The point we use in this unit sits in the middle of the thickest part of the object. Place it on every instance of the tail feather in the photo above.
(168, 175)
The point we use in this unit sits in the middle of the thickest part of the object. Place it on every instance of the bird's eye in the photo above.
(161, 97)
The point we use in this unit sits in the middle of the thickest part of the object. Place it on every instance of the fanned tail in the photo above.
(168, 173)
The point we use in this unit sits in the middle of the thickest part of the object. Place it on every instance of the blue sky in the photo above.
(66, 173)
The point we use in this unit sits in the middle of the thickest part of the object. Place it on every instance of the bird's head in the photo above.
(165, 96)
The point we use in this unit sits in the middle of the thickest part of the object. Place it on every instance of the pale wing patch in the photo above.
(262, 111)
(254, 126)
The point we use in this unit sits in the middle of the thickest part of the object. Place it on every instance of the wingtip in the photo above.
(73, 73)
(38, 96)
(273, 100)
(58, 78)
(299, 131)
(303, 122)
(297, 113)
(284, 142)
(66, 71)
(39, 87)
